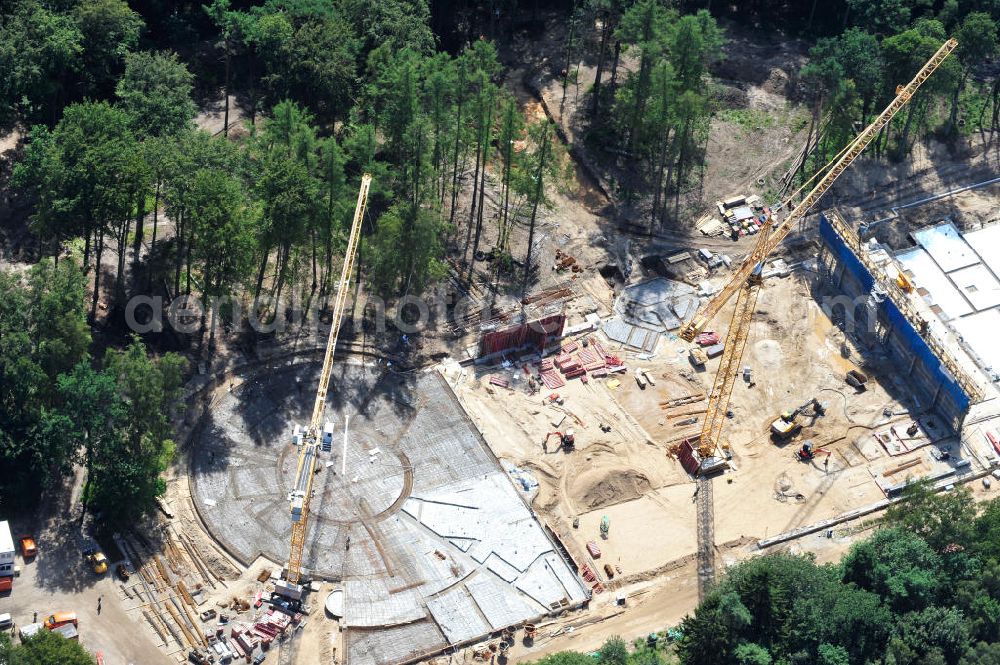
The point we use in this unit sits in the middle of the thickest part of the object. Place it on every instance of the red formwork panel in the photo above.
(535, 334)
(687, 456)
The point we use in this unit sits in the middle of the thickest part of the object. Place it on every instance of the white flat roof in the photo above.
(986, 242)
(928, 275)
(6, 540)
(961, 274)
(980, 332)
(946, 245)
(978, 285)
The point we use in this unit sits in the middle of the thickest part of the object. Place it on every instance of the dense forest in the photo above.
(124, 194)
(922, 589)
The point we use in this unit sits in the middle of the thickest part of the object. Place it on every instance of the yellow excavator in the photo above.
(787, 425)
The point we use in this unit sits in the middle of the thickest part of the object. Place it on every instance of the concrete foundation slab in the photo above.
(408, 506)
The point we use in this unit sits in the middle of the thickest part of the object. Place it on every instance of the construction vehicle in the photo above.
(67, 631)
(786, 425)
(60, 619)
(28, 547)
(97, 560)
(310, 440)
(605, 526)
(746, 280)
(567, 440)
(809, 450)
(28, 630)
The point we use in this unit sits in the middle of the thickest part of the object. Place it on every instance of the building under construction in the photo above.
(931, 307)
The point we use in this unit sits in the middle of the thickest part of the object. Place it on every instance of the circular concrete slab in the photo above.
(335, 603)
(244, 464)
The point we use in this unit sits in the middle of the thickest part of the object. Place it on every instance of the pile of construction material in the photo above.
(591, 578)
(744, 215)
(576, 360)
(166, 589)
(570, 366)
(263, 631)
(550, 377)
(566, 261)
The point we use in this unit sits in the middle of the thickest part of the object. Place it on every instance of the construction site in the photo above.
(598, 456)
(588, 462)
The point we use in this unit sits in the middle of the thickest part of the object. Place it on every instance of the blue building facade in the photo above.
(933, 385)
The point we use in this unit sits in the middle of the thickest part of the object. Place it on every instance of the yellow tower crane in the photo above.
(309, 440)
(746, 281)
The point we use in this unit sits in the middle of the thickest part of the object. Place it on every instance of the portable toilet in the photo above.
(327, 436)
(297, 435)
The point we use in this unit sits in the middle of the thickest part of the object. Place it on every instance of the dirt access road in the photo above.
(59, 579)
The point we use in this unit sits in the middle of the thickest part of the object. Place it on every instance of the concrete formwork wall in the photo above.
(531, 334)
(931, 382)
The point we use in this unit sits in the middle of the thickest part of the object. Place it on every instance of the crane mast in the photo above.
(745, 283)
(309, 443)
(708, 310)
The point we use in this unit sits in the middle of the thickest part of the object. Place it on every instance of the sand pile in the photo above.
(605, 487)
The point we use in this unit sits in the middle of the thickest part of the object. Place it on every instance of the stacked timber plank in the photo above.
(570, 366)
(245, 638)
(499, 381)
(577, 361)
(591, 359)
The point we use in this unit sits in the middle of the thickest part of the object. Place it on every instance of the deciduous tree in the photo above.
(110, 29)
(156, 91)
(896, 565)
(39, 58)
(43, 648)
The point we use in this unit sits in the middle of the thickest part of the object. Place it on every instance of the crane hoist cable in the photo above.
(310, 440)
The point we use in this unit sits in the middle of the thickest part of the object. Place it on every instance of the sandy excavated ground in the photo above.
(626, 473)
(759, 77)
